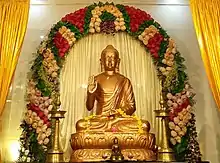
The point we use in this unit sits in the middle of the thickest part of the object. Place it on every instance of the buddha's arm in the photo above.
(90, 100)
(129, 100)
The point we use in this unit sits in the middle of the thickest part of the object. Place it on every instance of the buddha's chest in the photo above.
(108, 84)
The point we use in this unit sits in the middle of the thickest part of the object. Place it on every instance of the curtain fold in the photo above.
(206, 18)
(83, 61)
(13, 24)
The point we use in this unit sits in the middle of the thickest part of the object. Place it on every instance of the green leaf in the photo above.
(106, 16)
(40, 85)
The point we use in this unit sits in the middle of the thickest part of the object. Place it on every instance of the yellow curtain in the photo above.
(206, 18)
(13, 24)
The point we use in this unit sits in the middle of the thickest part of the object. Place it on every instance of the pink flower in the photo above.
(114, 129)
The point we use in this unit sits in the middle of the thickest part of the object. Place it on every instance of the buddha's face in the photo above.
(110, 60)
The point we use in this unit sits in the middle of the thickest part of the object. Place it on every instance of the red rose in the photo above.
(41, 114)
(48, 123)
(178, 109)
(76, 18)
(45, 119)
(171, 116)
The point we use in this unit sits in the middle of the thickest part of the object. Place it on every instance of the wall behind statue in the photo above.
(173, 15)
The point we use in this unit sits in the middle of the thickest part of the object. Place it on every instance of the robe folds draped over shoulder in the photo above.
(122, 97)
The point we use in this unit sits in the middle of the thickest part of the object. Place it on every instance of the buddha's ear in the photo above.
(119, 60)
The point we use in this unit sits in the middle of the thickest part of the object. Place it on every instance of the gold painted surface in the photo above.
(165, 153)
(116, 151)
(98, 146)
(55, 154)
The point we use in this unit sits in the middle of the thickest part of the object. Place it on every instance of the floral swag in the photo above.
(43, 87)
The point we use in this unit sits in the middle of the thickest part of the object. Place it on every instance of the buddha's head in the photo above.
(110, 59)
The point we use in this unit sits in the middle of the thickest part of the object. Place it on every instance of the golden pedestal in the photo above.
(98, 146)
(165, 153)
(55, 154)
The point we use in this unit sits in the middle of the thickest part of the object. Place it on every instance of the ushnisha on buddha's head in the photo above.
(110, 59)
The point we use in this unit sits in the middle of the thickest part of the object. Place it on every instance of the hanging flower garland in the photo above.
(43, 88)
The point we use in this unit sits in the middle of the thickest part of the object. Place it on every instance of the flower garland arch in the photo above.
(43, 86)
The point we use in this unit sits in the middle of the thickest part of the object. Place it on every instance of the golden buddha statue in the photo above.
(113, 117)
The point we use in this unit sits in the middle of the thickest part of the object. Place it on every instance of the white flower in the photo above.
(179, 101)
(181, 116)
(48, 132)
(162, 69)
(176, 120)
(170, 63)
(44, 128)
(181, 133)
(22, 149)
(26, 152)
(189, 116)
(173, 133)
(184, 111)
(40, 123)
(117, 28)
(174, 98)
(23, 158)
(187, 86)
(184, 129)
(188, 108)
(164, 61)
(46, 103)
(123, 27)
(140, 37)
(173, 141)
(40, 142)
(34, 125)
(38, 130)
(175, 105)
(181, 124)
(174, 50)
(34, 114)
(169, 96)
(50, 107)
(178, 139)
(145, 42)
(168, 68)
(28, 159)
(188, 93)
(43, 136)
(169, 103)
(178, 95)
(46, 112)
(29, 121)
(171, 125)
(92, 30)
(183, 97)
(46, 141)
(29, 112)
(177, 129)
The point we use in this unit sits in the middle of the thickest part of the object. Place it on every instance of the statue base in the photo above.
(94, 147)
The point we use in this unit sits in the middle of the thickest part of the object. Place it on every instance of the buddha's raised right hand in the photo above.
(92, 84)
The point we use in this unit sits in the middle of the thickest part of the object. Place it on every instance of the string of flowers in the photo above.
(44, 84)
(139, 121)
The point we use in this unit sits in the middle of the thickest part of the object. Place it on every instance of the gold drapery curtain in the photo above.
(13, 24)
(83, 61)
(206, 18)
